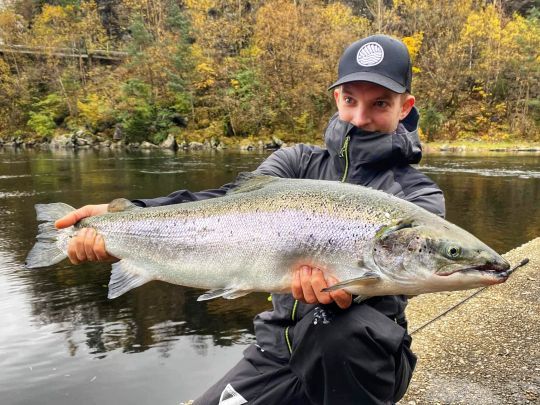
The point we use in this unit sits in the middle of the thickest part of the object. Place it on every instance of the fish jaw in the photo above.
(480, 275)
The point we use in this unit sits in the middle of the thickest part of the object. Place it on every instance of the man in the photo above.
(315, 347)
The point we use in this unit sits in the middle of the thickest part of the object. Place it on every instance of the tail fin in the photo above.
(51, 244)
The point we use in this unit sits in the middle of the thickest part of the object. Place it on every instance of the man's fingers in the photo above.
(307, 289)
(318, 283)
(101, 252)
(296, 286)
(89, 242)
(78, 241)
(72, 251)
(342, 298)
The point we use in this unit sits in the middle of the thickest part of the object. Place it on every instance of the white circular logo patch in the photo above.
(370, 54)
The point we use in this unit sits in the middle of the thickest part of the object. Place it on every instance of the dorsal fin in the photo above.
(121, 204)
(248, 181)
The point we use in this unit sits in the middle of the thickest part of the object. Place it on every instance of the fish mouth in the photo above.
(496, 269)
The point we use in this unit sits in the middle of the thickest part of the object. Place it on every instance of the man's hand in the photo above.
(308, 283)
(86, 245)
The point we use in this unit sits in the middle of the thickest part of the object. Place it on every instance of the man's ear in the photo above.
(406, 107)
(336, 94)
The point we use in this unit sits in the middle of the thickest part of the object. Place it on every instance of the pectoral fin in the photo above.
(125, 276)
(366, 278)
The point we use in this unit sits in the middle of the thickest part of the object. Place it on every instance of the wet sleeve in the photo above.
(286, 163)
(182, 196)
(429, 198)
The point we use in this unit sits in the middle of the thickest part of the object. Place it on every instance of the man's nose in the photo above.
(360, 118)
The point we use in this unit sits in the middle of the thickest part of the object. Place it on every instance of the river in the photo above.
(62, 341)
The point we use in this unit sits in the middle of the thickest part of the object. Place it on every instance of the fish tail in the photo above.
(51, 245)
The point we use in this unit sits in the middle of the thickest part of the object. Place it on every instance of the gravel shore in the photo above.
(485, 351)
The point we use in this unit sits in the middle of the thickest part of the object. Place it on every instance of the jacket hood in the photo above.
(374, 150)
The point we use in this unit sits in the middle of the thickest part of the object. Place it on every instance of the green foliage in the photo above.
(431, 121)
(47, 114)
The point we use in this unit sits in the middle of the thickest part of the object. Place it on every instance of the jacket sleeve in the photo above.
(182, 196)
(282, 163)
(429, 198)
(286, 163)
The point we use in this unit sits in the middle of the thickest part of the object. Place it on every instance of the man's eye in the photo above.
(381, 103)
(348, 100)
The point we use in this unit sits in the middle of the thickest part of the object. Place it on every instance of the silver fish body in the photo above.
(255, 236)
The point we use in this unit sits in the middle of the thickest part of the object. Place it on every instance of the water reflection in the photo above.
(59, 318)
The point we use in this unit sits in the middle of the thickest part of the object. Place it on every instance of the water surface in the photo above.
(63, 341)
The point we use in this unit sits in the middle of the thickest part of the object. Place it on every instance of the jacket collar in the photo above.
(368, 151)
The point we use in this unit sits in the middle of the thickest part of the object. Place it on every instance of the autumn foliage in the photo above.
(238, 68)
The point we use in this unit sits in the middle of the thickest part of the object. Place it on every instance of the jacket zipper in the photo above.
(293, 318)
(344, 152)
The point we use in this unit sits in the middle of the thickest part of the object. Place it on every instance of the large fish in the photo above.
(252, 238)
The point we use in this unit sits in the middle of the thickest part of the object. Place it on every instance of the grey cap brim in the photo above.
(372, 78)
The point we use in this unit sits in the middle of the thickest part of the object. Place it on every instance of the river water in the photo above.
(62, 341)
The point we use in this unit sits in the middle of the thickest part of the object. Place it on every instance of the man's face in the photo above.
(372, 107)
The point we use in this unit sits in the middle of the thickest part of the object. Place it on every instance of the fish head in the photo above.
(437, 255)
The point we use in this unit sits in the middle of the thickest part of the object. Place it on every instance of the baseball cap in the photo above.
(378, 59)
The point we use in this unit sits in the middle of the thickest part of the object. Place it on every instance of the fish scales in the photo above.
(252, 238)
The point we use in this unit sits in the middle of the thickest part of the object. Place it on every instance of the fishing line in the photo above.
(508, 272)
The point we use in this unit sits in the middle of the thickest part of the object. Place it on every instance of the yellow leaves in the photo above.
(414, 43)
(252, 52)
(339, 15)
(207, 76)
(483, 25)
(94, 109)
(69, 27)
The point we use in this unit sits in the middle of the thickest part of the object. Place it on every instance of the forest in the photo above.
(250, 69)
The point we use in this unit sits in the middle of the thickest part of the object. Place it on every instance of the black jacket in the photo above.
(377, 160)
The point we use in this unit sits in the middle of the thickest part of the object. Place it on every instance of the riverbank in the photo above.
(82, 140)
(486, 350)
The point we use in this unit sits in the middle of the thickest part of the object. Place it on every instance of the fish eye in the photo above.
(453, 252)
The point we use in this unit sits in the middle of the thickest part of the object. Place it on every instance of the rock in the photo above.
(61, 141)
(148, 145)
(444, 148)
(169, 143)
(214, 142)
(134, 145)
(247, 146)
(80, 141)
(183, 145)
(276, 141)
(118, 133)
(196, 145)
